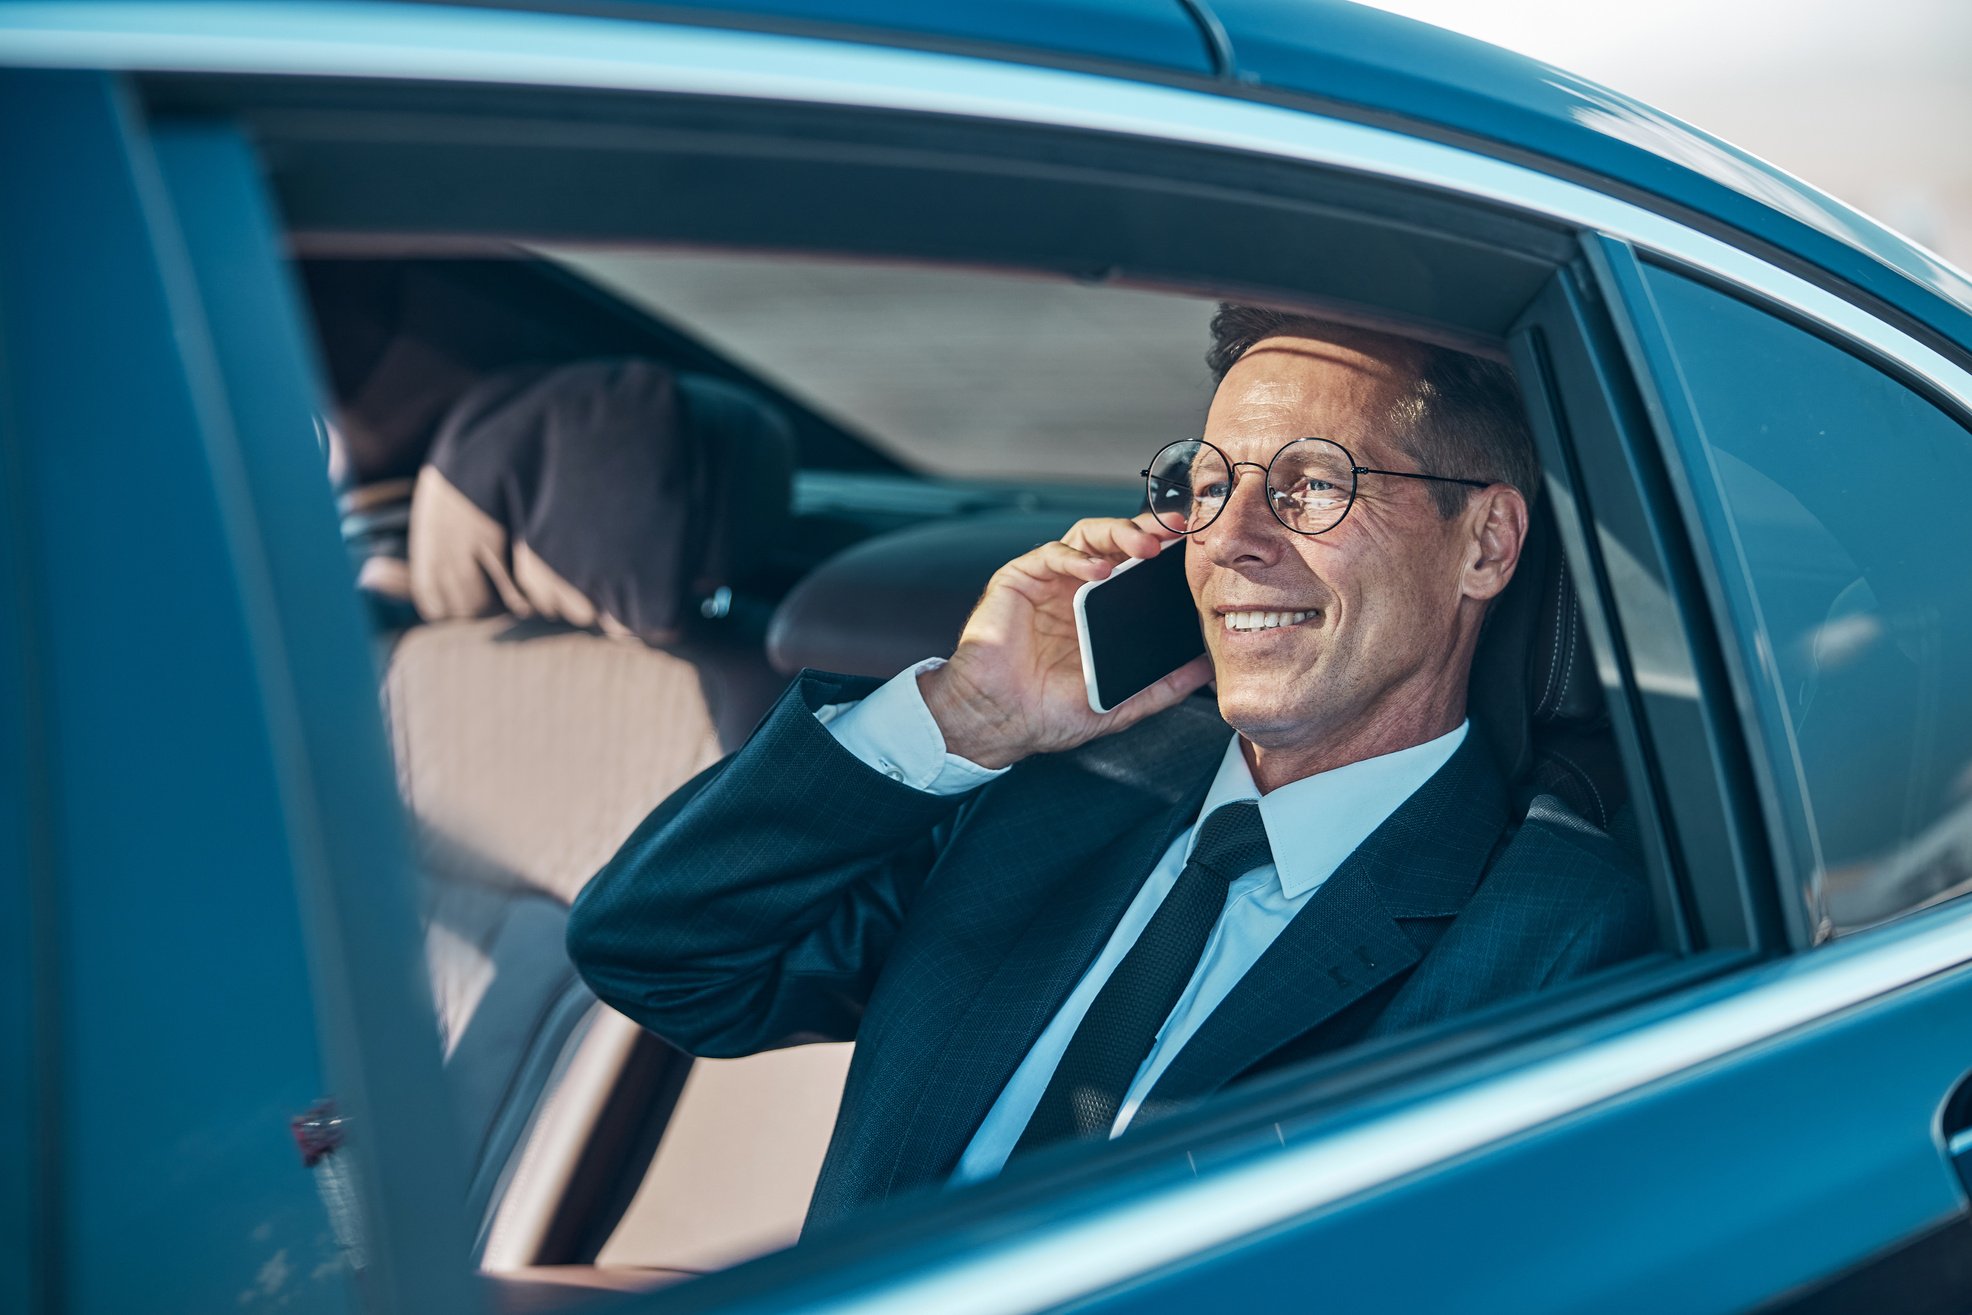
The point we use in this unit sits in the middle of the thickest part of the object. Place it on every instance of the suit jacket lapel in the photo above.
(1348, 939)
(1026, 990)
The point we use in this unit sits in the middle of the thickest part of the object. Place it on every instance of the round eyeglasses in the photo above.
(1310, 483)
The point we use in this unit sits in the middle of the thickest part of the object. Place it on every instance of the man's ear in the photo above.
(1496, 518)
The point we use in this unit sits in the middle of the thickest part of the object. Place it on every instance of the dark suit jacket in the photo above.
(792, 894)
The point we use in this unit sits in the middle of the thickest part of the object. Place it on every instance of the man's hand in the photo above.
(1014, 686)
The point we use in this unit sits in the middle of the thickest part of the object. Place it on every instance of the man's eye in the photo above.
(1318, 492)
(1209, 492)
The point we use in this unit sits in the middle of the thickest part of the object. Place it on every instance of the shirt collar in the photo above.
(1316, 822)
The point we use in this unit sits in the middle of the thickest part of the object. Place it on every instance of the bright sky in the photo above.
(1716, 33)
(1864, 98)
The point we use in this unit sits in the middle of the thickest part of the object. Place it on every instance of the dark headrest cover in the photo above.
(1562, 679)
(752, 451)
(876, 608)
(570, 492)
(1533, 669)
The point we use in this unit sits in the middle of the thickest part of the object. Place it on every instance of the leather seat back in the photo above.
(551, 697)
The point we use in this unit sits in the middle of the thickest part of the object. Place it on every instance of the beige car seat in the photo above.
(527, 748)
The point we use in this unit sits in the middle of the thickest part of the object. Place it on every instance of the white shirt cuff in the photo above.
(893, 732)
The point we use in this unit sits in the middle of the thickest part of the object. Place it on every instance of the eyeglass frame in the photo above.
(1266, 481)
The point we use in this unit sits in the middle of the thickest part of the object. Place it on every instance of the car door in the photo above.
(198, 830)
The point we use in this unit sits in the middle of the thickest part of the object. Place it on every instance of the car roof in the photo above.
(1367, 63)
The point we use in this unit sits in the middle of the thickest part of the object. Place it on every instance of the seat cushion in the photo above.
(528, 752)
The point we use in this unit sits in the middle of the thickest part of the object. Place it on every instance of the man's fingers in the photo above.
(1053, 560)
(1148, 522)
(1117, 537)
(1193, 675)
(1166, 693)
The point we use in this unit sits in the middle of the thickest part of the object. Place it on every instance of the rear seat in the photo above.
(529, 742)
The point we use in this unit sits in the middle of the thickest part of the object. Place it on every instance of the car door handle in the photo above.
(1956, 1126)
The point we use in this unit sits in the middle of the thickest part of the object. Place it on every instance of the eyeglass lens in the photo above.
(1310, 485)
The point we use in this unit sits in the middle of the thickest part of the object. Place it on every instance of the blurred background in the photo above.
(1866, 99)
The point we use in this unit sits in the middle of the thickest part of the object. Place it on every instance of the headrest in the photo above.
(610, 494)
(876, 608)
(1534, 678)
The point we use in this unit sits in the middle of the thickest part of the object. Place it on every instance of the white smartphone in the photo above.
(1136, 627)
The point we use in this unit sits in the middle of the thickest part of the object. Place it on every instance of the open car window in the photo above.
(529, 749)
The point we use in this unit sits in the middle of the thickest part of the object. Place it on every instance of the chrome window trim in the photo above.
(1126, 1240)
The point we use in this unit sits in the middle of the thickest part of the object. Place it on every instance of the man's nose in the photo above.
(1246, 532)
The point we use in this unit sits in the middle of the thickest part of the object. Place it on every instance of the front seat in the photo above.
(571, 527)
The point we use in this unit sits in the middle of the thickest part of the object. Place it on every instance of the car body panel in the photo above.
(176, 1173)
(1710, 1192)
(351, 872)
(28, 962)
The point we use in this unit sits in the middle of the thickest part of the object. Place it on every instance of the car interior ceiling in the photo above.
(527, 748)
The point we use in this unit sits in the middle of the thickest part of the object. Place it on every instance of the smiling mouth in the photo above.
(1264, 620)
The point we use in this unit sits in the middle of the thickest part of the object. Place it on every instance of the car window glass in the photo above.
(1840, 494)
(959, 373)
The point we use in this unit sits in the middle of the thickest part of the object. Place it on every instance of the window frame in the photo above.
(1619, 506)
(1310, 1098)
(350, 861)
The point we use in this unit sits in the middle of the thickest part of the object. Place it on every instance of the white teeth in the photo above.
(1264, 620)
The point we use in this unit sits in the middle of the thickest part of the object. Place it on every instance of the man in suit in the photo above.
(1040, 923)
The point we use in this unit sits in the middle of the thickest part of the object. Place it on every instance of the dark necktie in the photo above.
(1116, 1034)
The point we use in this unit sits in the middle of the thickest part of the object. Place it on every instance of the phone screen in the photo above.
(1136, 627)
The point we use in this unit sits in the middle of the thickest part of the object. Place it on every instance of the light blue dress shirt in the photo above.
(1312, 825)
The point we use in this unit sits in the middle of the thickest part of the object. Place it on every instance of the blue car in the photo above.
(302, 758)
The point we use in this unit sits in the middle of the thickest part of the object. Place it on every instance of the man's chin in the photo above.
(1258, 714)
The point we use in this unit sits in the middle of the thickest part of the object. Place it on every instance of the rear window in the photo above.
(971, 375)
